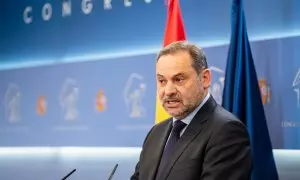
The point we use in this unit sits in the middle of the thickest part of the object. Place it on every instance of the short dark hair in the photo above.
(197, 54)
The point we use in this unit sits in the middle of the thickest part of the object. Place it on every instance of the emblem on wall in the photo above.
(68, 99)
(216, 89)
(296, 86)
(12, 100)
(133, 94)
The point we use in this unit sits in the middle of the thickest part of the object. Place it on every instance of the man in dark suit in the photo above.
(202, 141)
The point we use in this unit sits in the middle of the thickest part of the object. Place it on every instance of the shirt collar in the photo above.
(189, 118)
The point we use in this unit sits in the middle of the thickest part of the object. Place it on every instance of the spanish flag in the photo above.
(174, 32)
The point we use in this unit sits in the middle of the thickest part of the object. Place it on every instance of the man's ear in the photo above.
(206, 78)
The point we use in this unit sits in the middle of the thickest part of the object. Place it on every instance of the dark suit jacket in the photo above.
(215, 146)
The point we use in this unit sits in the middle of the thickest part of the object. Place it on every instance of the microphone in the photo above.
(113, 172)
(69, 174)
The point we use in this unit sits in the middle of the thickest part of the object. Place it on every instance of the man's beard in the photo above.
(187, 108)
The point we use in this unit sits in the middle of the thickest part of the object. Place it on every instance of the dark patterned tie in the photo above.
(174, 137)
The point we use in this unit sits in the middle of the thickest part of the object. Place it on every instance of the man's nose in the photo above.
(170, 89)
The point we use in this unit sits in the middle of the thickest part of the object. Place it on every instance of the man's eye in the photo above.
(162, 81)
(179, 80)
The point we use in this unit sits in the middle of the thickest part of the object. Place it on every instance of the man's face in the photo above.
(180, 88)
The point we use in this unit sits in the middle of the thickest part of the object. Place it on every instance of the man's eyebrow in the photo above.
(176, 75)
(179, 74)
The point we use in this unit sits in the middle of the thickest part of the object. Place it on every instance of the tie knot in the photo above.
(178, 126)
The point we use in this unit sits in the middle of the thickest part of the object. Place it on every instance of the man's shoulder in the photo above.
(222, 116)
(162, 123)
(223, 123)
(157, 129)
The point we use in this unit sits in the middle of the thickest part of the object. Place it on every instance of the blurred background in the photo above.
(77, 79)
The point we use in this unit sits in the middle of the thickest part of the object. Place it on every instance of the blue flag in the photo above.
(242, 97)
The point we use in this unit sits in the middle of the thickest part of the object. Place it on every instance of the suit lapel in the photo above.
(157, 152)
(194, 128)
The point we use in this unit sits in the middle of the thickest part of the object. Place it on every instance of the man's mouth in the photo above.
(172, 103)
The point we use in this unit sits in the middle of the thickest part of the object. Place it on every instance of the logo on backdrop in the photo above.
(86, 6)
(133, 94)
(41, 106)
(296, 87)
(216, 89)
(12, 100)
(101, 101)
(68, 99)
(265, 91)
